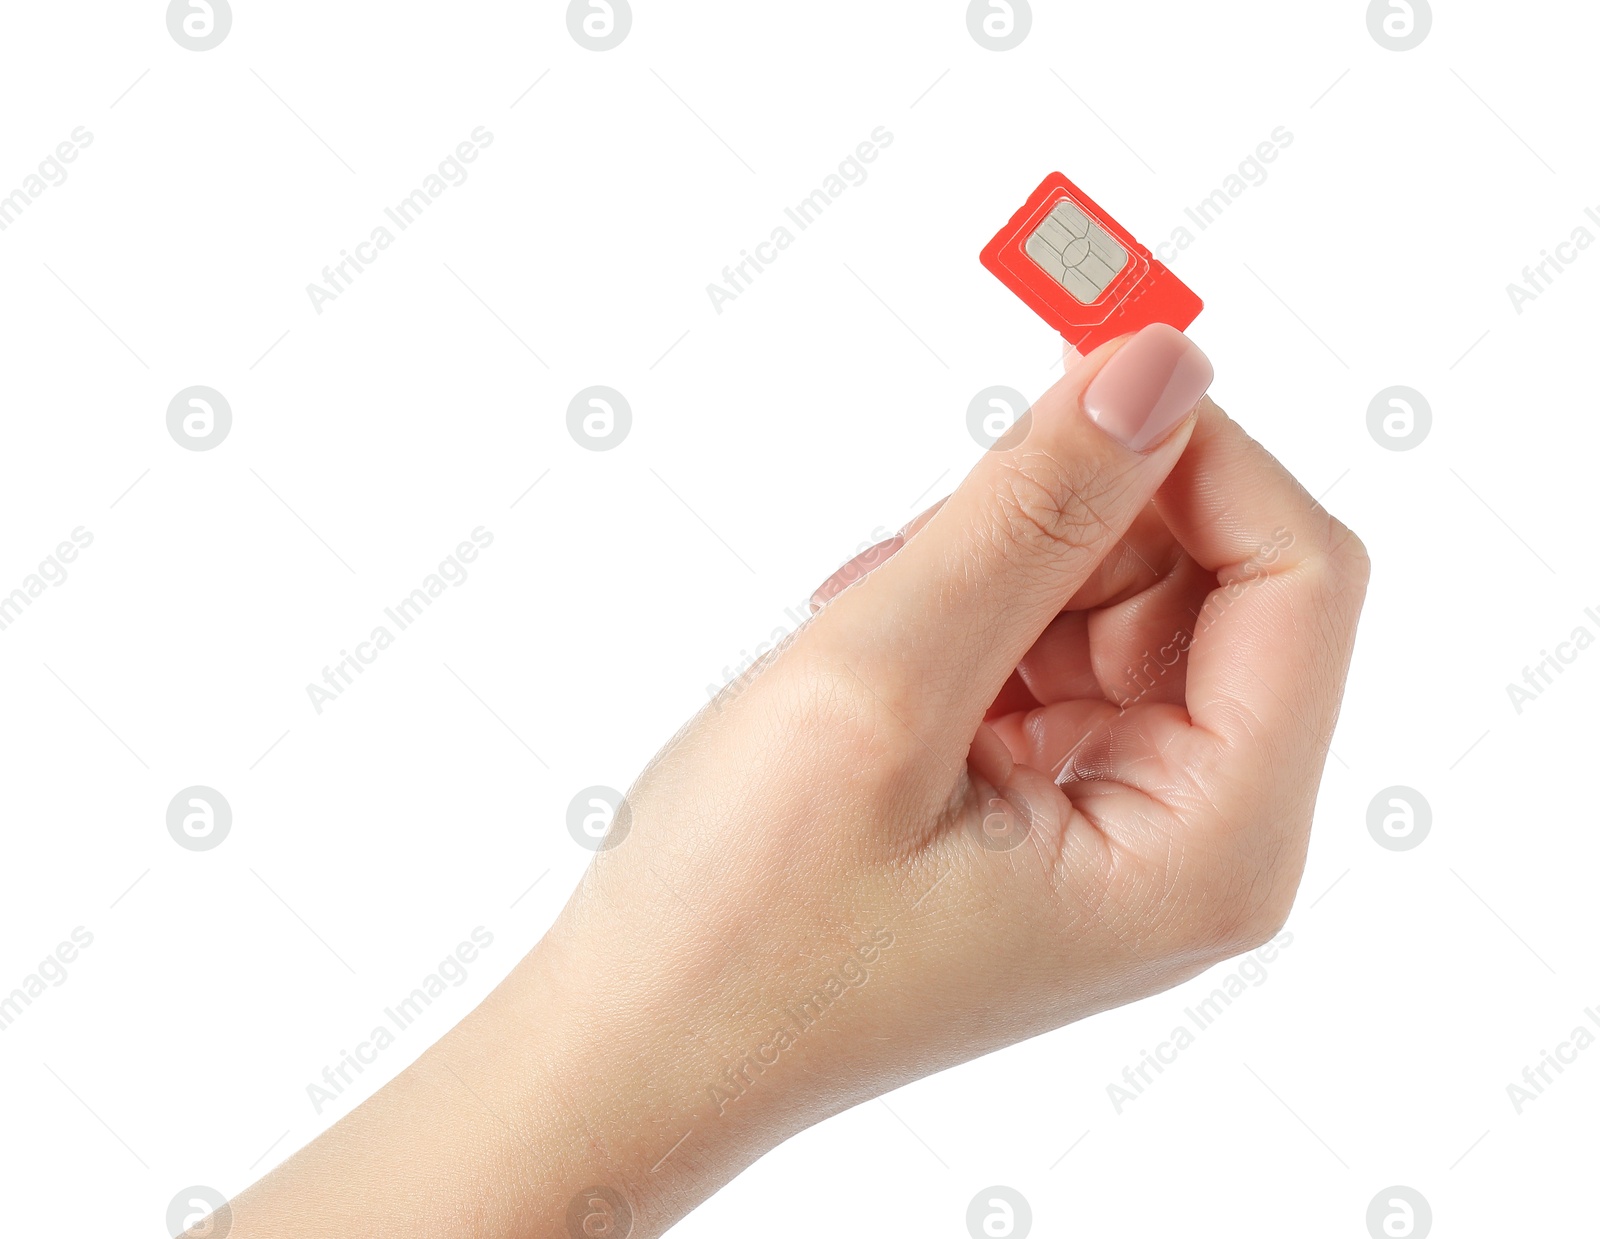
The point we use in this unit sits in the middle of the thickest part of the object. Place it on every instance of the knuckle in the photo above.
(1351, 553)
(1234, 927)
(1044, 510)
(1244, 907)
(1261, 921)
(1344, 554)
(856, 725)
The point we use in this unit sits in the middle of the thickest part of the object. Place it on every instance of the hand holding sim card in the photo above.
(1081, 271)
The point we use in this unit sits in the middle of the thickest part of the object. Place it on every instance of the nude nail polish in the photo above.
(1150, 385)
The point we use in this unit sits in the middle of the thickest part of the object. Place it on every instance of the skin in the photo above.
(951, 804)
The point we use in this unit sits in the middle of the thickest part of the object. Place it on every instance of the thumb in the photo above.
(946, 620)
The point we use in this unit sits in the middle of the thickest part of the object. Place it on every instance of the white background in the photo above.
(824, 405)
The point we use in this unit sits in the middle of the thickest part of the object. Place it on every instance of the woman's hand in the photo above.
(1053, 749)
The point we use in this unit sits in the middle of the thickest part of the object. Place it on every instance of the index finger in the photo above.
(1272, 643)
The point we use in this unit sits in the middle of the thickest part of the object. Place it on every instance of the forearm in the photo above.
(557, 1084)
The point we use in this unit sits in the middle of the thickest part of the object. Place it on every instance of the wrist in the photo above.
(656, 1067)
(604, 1084)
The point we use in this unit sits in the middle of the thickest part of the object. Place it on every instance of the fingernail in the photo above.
(854, 570)
(1150, 385)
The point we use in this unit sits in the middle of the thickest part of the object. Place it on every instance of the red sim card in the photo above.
(1081, 271)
